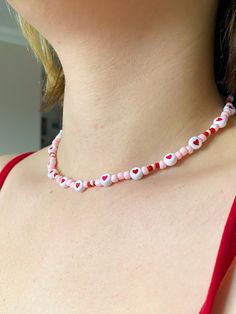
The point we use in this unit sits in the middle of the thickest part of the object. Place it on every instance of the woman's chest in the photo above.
(129, 259)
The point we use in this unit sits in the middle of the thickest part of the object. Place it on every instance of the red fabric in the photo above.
(7, 168)
(225, 255)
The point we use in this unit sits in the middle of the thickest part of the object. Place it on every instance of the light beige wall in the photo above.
(20, 95)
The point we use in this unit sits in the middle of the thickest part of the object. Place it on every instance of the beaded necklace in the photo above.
(137, 173)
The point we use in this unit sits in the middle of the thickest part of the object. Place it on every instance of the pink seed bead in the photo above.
(114, 178)
(51, 168)
(202, 137)
(215, 126)
(86, 183)
(145, 170)
(120, 176)
(98, 183)
(183, 151)
(189, 149)
(52, 155)
(162, 164)
(58, 179)
(59, 136)
(68, 182)
(225, 114)
(55, 142)
(227, 110)
(72, 184)
(126, 175)
(178, 155)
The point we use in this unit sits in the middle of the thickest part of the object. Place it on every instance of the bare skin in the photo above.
(136, 247)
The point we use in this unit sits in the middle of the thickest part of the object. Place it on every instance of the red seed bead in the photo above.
(157, 165)
(92, 182)
(206, 133)
(150, 167)
(212, 130)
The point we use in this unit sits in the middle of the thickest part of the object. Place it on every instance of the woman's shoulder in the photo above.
(25, 169)
(4, 159)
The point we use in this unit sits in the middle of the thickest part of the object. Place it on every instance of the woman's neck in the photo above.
(136, 89)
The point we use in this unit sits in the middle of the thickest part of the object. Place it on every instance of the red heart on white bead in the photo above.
(52, 174)
(106, 179)
(170, 159)
(221, 121)
(63, 182)
(136, 173)
(78, 186)
(195, 142)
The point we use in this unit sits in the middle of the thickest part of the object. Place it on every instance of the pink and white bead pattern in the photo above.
(137, 173)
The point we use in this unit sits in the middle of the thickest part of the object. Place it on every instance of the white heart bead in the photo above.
(79, 186)
(105, 179)
(231, 108)
(63, 182)
(221, 121)
(52, 174)
(170, 159)
(52, 149)
(195, 142)
(136, 173)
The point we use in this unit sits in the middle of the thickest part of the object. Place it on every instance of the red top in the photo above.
(225, 255)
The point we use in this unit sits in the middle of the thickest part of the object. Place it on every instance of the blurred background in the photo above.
(22, 126)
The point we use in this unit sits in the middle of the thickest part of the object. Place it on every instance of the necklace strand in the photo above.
(137, 173)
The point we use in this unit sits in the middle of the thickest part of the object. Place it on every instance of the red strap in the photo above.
(225, 256)
(7, 168)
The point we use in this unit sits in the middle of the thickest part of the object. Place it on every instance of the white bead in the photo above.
(79, 186)
(195, 142)
(63, 182)
(221, 121)
(231, 108)
(52, 161)
(52, 149)
(136, 173)
(105, 179)
(170, 159)
(52, 174)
